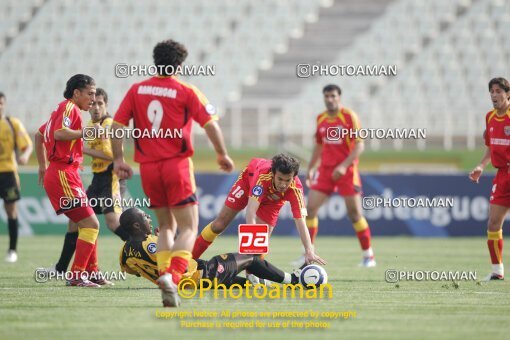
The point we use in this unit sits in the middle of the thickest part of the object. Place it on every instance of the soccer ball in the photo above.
(313, 275)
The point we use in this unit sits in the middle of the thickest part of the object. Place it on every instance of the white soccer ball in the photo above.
(313, 275)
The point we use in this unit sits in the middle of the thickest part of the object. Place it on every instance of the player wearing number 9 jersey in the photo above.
(262, 188)
(168, 106)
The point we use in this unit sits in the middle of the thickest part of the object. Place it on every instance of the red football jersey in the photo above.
(263, 190)
(164, 104)
(497, 138)
(336, 150)
(67, 115)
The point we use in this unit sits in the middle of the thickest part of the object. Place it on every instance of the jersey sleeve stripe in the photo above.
(201, 97)
(69, 108)
(321, 117)
(491, 116)
(299, 197)
(213, 118)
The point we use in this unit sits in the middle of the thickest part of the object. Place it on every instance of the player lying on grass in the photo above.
(262, 188)
(138, 257)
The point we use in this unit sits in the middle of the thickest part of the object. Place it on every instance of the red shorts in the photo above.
(64, 188)
(169, 182)
(347, 185)
(500, 194)
(237, 199)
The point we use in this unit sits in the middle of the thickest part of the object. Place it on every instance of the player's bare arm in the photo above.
(96, 154)
(41, 156)
(476, 173)
(25, 155)
(312, 165)
(251, 211)
(121, 168)
(215, 135)
(310, 256)
(68, 134)
(341, 169)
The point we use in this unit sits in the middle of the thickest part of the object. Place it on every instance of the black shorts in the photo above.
(105, 188)
(222, 267)
(9, 187)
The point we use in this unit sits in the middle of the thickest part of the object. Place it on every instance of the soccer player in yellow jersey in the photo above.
(105, 183)
(138, 257)
(15, 148)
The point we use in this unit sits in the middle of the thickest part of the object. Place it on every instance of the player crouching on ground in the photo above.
(262, 188)
(138, 257)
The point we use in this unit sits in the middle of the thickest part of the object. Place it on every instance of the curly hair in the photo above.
(285, 164)
(77, 82)
(169, 53)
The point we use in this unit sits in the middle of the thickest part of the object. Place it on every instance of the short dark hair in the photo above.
(501, 82)
(332, 87)
(2, 95)
(77, 82)
(285, 164)
(129, 217)
(101, 92)
(169, 53)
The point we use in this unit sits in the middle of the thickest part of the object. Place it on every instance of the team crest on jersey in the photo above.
(257, 190)
(210, 109)
(67, 122)
(221, 269)
(151, 247)
(507, 130)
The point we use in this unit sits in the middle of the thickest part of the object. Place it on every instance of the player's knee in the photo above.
(90, 222)
(10, 210)
(354, 216)
(312, 213)
(493, 224)
(219, 225)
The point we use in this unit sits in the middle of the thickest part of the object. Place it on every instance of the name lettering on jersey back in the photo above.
(130, 252)
(500, 141)
(157, 91)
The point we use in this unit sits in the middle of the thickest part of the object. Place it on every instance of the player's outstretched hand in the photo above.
(311, 257)
(225, 162)
(474, 175)
(42, 172)
(122, 169)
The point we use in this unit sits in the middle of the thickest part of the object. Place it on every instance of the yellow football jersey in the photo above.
(100, 144)
(139, 258)
(7, 153)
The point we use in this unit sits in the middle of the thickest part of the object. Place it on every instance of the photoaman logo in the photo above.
(188, 288)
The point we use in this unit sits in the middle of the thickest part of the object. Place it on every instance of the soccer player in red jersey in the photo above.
(262, 188)
(338, 169)
(59, 141)
(166, 104)
(497, 151)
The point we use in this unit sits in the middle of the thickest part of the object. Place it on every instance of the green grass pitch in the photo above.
(405, 310)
